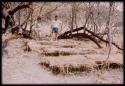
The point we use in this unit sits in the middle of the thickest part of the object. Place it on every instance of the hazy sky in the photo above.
(120, 6)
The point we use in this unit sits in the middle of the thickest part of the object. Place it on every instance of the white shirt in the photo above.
(20, 30)
(56, 24)
(38, 25)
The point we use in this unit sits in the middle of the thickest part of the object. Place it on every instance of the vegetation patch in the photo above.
(79, 68)
(58, 53)
(26, 47)
(107, 65)
(68, 46)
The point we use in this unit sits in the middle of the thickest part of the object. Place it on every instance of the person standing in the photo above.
(38, 27)
(56, 27)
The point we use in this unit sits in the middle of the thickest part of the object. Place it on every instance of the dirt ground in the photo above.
(23, 67)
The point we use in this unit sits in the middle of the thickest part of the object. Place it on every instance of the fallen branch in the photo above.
(11, 12)
(93, 37)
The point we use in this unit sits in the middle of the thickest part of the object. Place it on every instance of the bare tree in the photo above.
(109, 28)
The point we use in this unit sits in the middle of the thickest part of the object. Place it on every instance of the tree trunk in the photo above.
(109, 29)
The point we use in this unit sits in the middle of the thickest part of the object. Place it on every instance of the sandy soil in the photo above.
(26, 70)
(19, 67)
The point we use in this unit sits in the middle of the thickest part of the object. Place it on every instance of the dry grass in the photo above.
(26, 47)
(67, 69)
(58, 53)
(79, 68)
(68, 46)
(108, 64)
